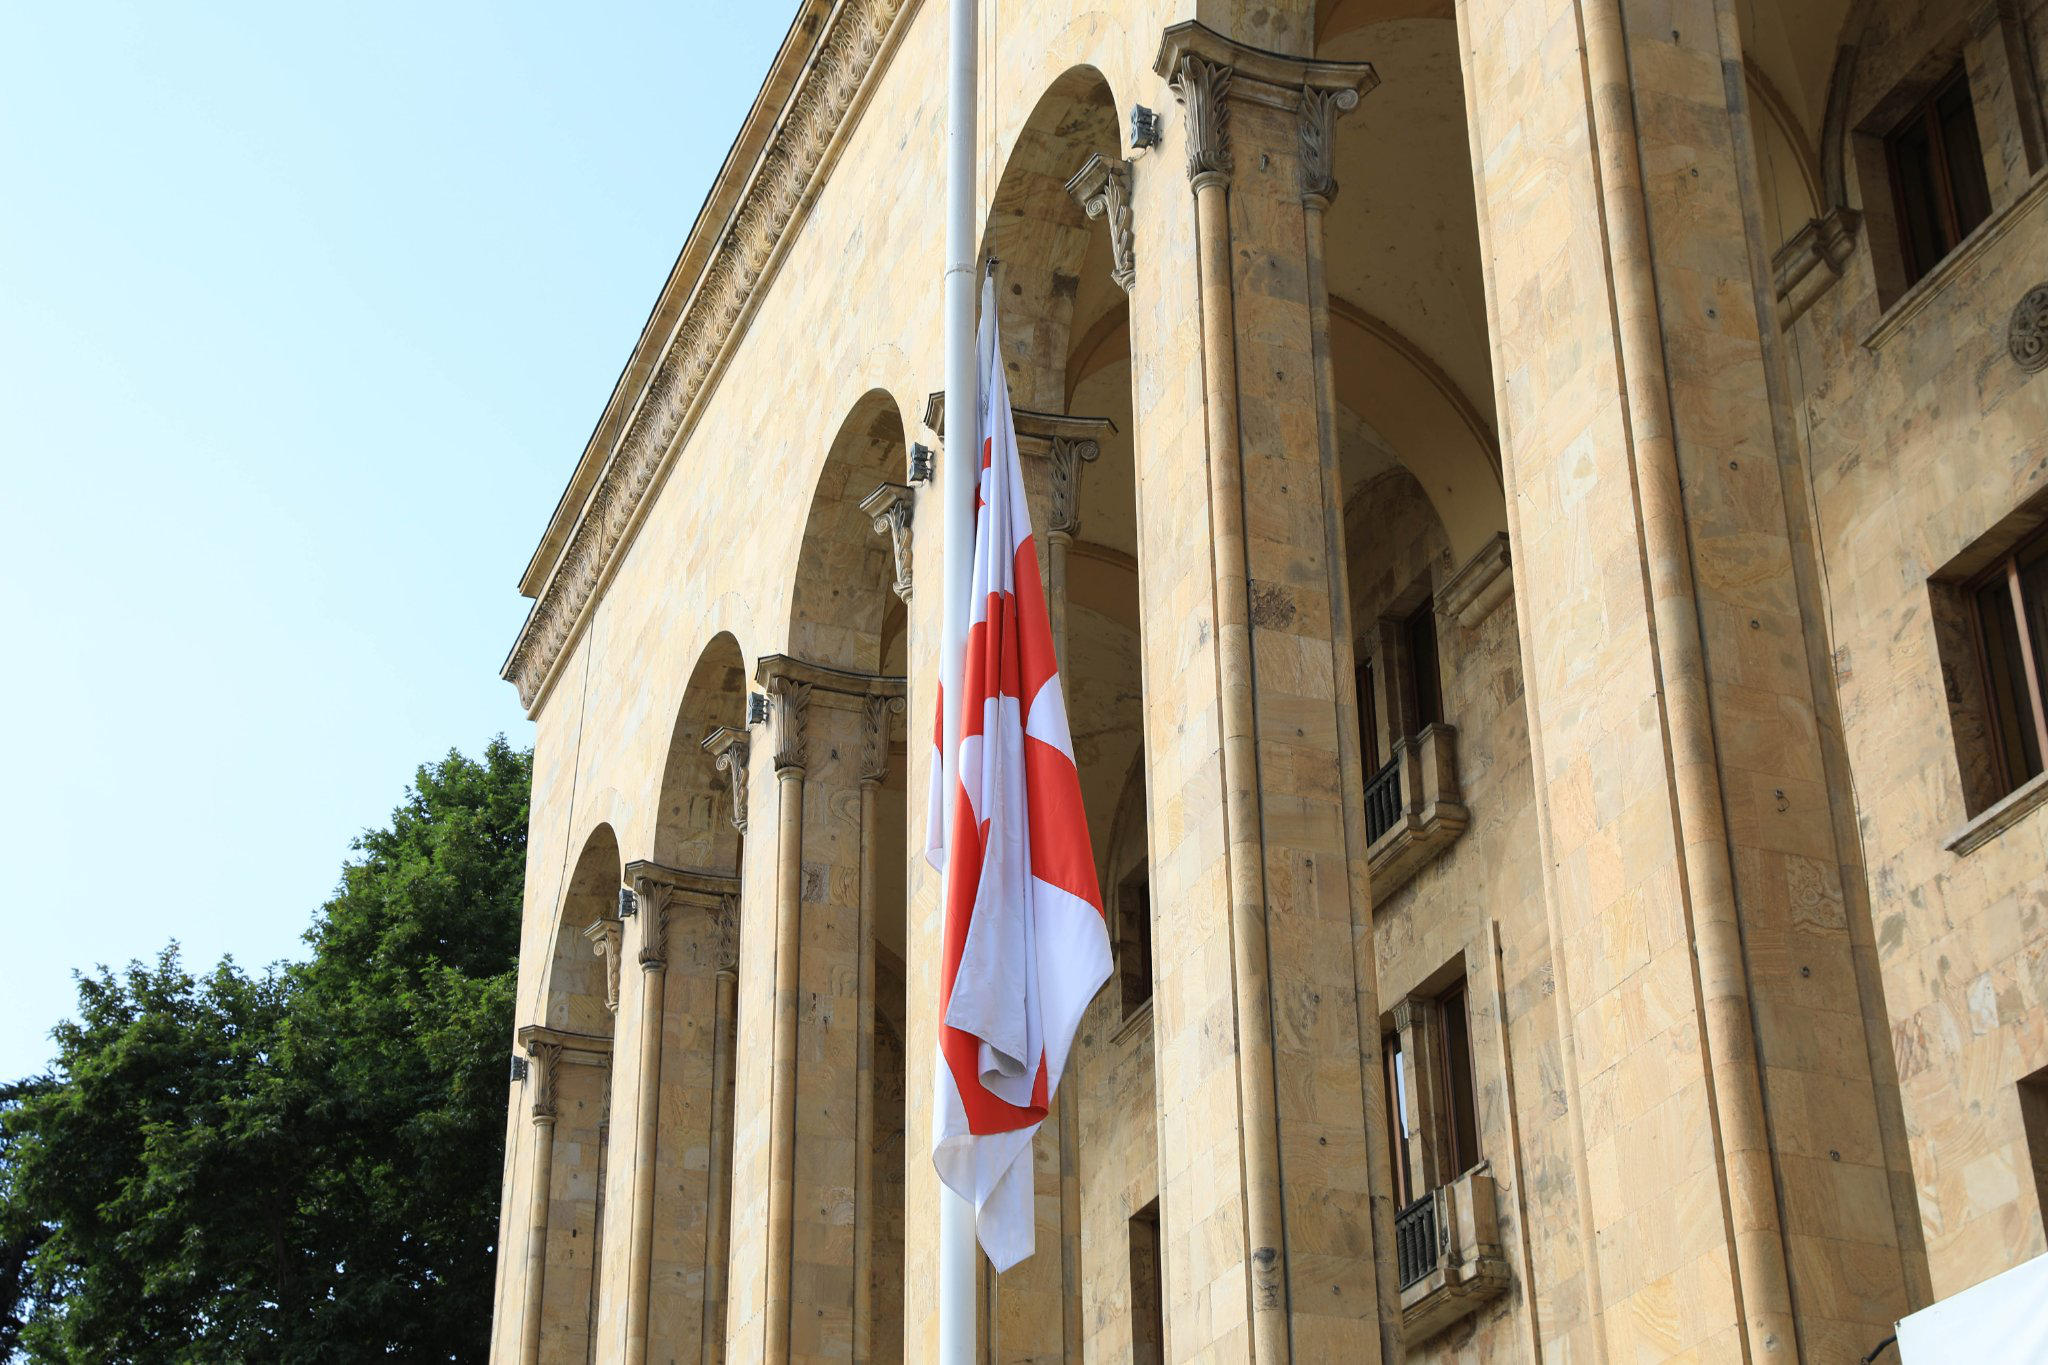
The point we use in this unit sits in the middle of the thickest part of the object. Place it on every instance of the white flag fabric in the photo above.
(1025, 947)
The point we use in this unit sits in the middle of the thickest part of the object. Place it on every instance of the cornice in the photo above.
(822, 105)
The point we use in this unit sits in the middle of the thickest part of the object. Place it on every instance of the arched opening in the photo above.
(1066, 334)
(695, 885)
(582, 993)
(848, 649)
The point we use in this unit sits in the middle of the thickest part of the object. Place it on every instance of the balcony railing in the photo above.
(1415, 1240)
(1382, 800)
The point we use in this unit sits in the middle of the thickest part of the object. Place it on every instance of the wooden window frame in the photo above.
(1925, 117)
(2006, 571)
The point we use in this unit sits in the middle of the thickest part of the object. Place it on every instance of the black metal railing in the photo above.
(1415, 1240)
(1383, 800)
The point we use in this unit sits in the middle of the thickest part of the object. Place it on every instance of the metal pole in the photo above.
(958, 477)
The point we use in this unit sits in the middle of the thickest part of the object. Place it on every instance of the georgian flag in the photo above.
(1025, 946)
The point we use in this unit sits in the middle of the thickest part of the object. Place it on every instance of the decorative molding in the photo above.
(779, 188)
(1036, 431)
(605, 939)
(728, 935)
(1317, 125)
(1481, 584)
(1808, 265)
(1067, 455)
(874, 736)
(728, 750)
(1966, 257)
(665, 891)
(1102, 188)
(2026, 335)
(891, 505)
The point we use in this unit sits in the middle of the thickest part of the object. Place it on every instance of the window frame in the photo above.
(2005, 572)
(1924, 117)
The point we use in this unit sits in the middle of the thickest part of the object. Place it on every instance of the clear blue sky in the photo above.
(305, 315)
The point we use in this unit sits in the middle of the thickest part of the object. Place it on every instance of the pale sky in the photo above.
(305, 315)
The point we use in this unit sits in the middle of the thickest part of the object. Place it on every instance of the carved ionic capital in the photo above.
(728, 750)
(1317, 123)
(1067, 455)
(1203, 89)
(605, 937)
(891, 506)
(1103, 190)
(874, 736)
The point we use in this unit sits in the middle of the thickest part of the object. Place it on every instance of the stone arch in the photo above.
(576, 992)
(842, 610)
(693, 818)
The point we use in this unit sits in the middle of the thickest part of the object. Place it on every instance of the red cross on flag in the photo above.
(1024, 945)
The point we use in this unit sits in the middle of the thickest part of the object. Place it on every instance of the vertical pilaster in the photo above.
(653, 919)
(718, 1191)
(787, 698)
(545, 1059)
(1294, 906)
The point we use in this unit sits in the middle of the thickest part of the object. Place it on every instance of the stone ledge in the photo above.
(1470, 1267)
(2000, 817)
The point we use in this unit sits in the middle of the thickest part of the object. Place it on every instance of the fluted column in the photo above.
(545, 1059)
(654, 901)
(718, 1183)
(787, 700)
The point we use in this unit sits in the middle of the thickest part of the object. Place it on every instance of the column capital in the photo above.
(728, 749)
(605, 936)
(892, 505)
(1102, 187)
(1067, 455)
(874, 736)
(663, 891)
(551, 1049)
(1209, 72)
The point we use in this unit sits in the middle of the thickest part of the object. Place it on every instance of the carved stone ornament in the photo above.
(547, 1061)
(1103, 190)
(2027, 335)
(1067, 456)
(719, 302)
(1202, 87)
(604, 938)
(728, 750)
(657, 898)
(787, 699)
(1317, 117)
(728, 935)
(891, 506)
(874, 736)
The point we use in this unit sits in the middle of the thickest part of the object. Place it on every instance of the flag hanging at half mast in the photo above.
(1025, 947)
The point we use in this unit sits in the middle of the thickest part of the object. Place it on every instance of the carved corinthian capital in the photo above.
(1103, 190)
(728, 750)
(891, 506)
(874, 736)
(1067, 456)
(604, 939)
(1318, 116)
(657, 898)
(1203, 89)
(547, 1061)
(787, 700)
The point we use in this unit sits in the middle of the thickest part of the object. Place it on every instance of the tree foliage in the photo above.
(300, 1165)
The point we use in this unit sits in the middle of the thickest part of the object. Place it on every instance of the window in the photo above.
(1432, 1110)
(1148, 1308)
(2011, 616)
(1368, 722)
(1134, 939)
(1937, 173)
(1419, 631)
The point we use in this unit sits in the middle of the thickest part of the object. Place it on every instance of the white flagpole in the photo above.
(958, 480)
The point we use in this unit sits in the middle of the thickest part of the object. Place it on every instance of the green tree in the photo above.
(296, 1166)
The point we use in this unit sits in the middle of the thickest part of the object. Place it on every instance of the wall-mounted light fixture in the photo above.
(1144, 127)
(920, 464)
(757, 708)
(518, 1068)
(628, 905)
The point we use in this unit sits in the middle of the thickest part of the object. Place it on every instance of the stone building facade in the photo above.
(1542, 506)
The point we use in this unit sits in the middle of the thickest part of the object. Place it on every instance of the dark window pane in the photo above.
(1394, 1074)
(1464, 1134)
(2006, 680)
(1368, 723)
(1134, 949)
(1148, 1311)
(1964, 157)
(1429, 699)
(1926, 241)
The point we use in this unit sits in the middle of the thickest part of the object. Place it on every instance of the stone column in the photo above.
(718, 1185)
(787, 700)
(1283, 869)
(545, 1058)
(654, 898)
(874, 767)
